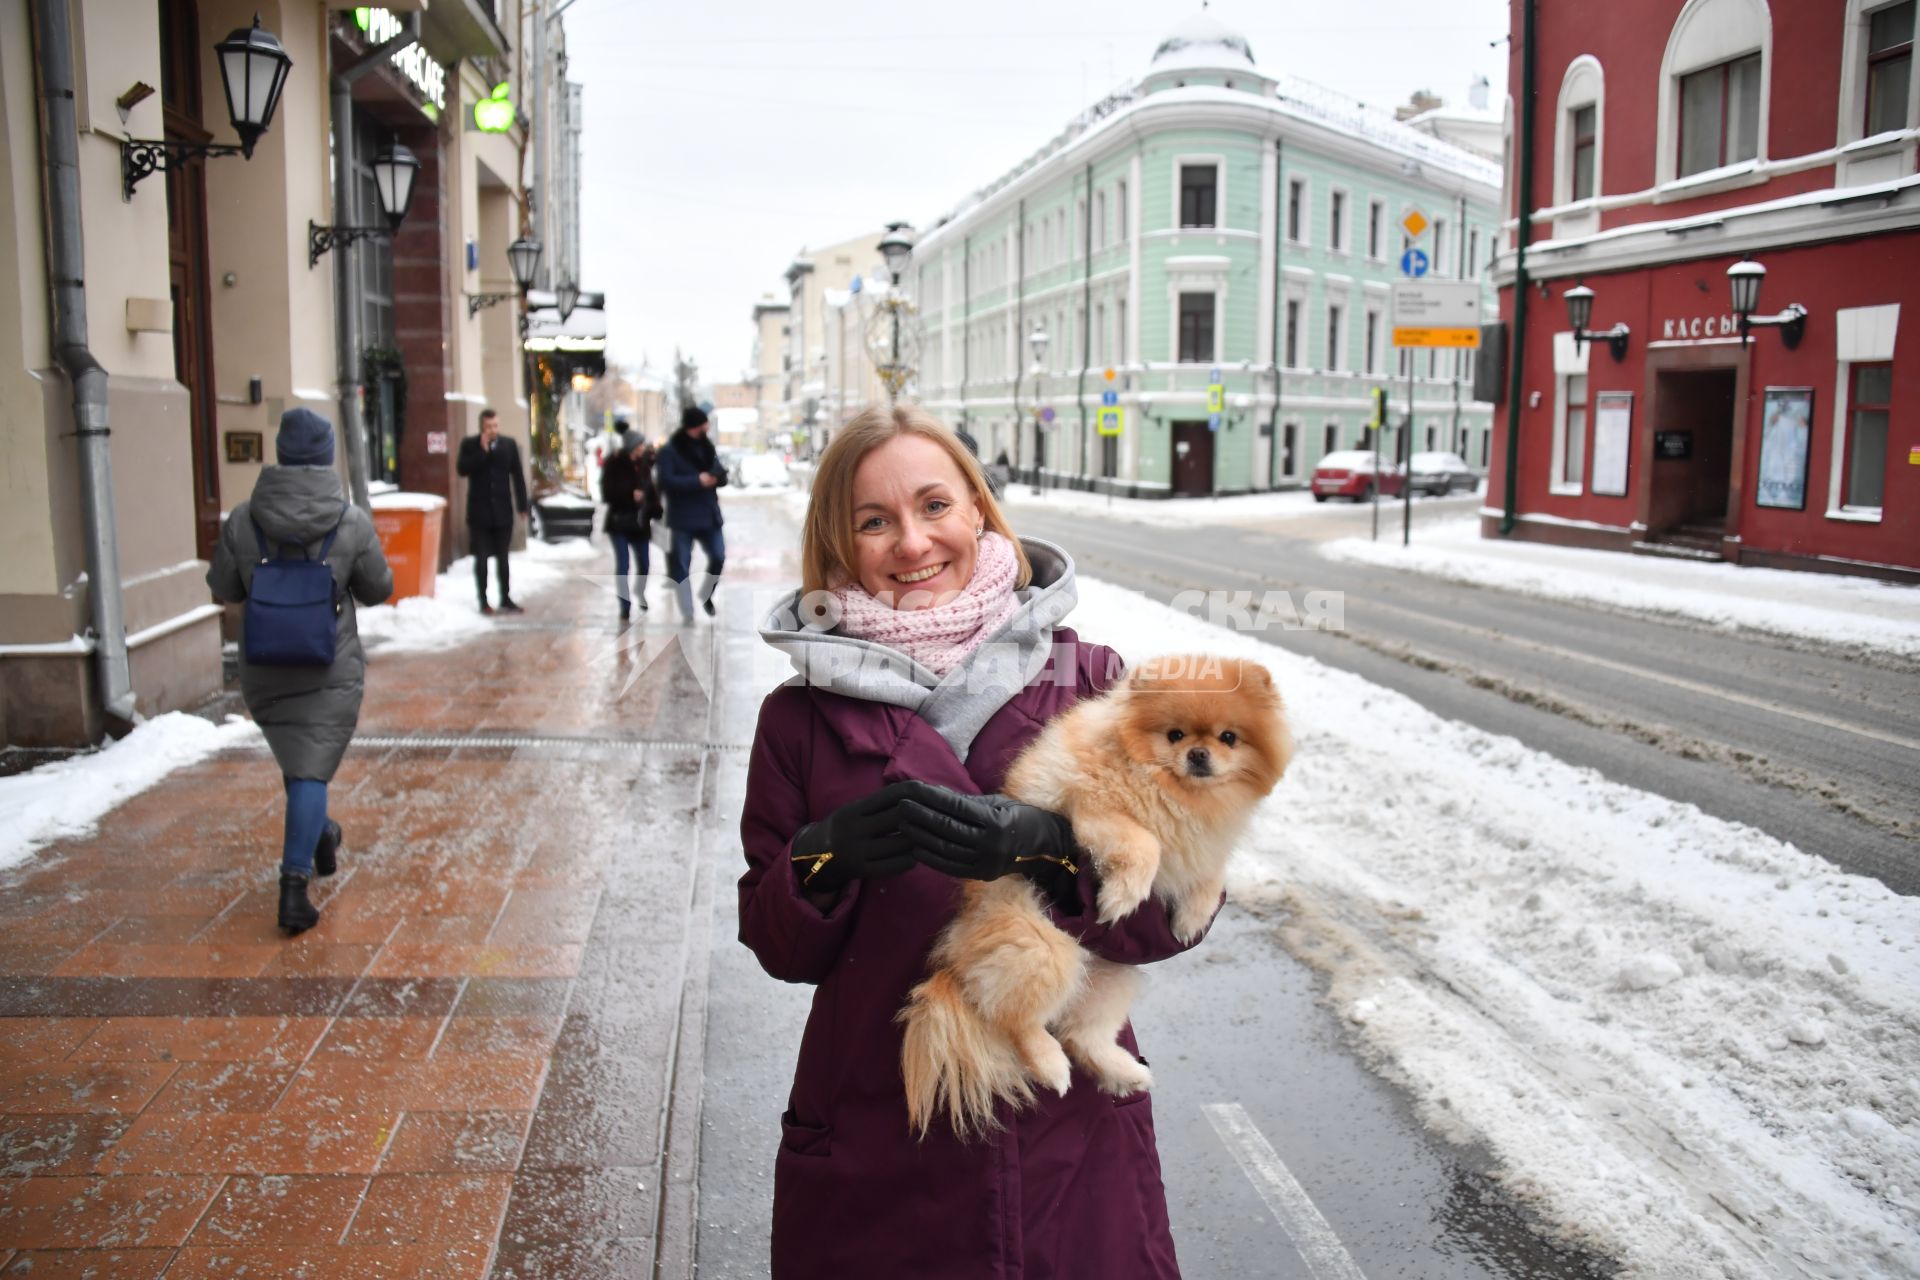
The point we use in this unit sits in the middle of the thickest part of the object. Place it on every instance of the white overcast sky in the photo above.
(721, 139)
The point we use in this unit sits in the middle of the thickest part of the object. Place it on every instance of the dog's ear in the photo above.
(1255, 677)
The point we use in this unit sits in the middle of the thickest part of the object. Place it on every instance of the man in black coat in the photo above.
(496, 489)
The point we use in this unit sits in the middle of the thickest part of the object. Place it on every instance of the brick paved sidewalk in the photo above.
(471, 1066)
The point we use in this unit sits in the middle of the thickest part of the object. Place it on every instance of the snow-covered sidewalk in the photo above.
(1689, 1045)
(1862, 612)
(451, 615)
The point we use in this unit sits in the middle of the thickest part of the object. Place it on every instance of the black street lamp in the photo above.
(565, 298)
(523, 259)
(1745, 278)
(253, 70)
(1580, 311)
(896, 248)
(394, 170)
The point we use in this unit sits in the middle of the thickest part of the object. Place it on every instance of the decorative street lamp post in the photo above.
(253, 70)
(394, 170)
(1037, 342)
(896, 247)
(1580, 311)
(1745, 278)
(523, 259)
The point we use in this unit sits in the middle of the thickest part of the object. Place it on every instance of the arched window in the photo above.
(1578, 126)
(1714, 87)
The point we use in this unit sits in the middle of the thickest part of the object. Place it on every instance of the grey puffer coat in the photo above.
(307, 713)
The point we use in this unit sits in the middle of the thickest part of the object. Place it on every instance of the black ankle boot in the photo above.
(297, 915)
(324, 861)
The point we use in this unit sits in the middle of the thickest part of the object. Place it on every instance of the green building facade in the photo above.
(1211, 219)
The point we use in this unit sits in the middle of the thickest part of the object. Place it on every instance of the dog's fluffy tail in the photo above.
(954, 1061)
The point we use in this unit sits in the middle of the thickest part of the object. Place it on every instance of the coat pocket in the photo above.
(804, 1139)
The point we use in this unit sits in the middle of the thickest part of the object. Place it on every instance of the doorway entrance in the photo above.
(1192, 459)
(1693, 437)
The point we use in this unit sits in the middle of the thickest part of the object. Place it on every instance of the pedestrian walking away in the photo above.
(691, 478)
(949, 615)
(496, 490)
(632, 496)
(307, 704)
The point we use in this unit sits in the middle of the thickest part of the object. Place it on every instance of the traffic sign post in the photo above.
(1111, 422)
(1443, 314)
(1213, 422)
(1216, 399)
(1413, 263)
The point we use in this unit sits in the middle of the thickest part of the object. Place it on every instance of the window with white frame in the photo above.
(1293, 333)
(1120, 203)
(1100, 220)
(1297, 210)
(1585, 149)
(1889, 67)
(1290, 449)
(1120, 329)
(1196, 328)
(1570, 449)
(1869, 409)
(1473, 255)
(1576, 139)
(1713, 89)
(1199, 189)
(1336, 320)
(1337, 221)
(1376, 229)
(1442, 265)
(1100, 334)
(1329, 437)
(1372, 364)
(1720, 115)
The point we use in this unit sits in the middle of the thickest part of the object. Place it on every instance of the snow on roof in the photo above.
(1203, 41)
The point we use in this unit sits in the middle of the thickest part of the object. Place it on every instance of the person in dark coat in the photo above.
(691, 478)
(496, 489)
(838, 895)
(308, 714)
(633, 504)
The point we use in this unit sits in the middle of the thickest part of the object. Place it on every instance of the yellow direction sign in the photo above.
(1112, 420)
(1415, 222)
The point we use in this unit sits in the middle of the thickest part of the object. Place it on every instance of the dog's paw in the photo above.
(1122, 1074)
(1055, 1073)
(1191, 917)
(1123, 887)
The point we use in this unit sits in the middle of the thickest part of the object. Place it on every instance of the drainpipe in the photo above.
(67, 291)
(1086, 317)
(1019, 307)
(966, 334)
(1460, 253)
(1279, 304)
(1514, 378)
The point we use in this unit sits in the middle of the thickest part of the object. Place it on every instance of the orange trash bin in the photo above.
(409, 528)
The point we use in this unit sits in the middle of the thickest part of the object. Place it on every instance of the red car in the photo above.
(1350, 474)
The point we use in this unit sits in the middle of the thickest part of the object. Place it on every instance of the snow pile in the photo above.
(1693, 1047)
(64, 799)
(1835, 608)
(451, 615)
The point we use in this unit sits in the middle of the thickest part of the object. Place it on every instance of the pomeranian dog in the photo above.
(1159, 778)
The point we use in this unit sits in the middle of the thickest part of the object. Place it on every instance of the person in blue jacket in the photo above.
(691, 477)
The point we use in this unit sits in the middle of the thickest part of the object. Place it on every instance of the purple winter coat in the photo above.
(1071, 1187)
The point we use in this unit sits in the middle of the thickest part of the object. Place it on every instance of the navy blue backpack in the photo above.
(293, 607)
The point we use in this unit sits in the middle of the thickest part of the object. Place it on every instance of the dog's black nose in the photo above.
(1199, 762)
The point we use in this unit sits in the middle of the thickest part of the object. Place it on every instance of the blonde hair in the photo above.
(826, 541)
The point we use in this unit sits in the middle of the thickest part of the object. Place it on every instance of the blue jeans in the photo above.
(680, 563)
(306, 820)
(629, 547)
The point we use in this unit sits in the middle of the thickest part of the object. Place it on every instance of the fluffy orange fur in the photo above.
(1159, 778)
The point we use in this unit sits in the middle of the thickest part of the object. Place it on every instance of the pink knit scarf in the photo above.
(941, 637)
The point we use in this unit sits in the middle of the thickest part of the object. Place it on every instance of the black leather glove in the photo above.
(860, 840)
(986, 837)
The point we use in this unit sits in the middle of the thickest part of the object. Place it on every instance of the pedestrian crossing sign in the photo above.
(1112, 420)
(1216, 399)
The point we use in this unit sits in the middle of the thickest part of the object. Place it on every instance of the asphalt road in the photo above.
(1810, 743)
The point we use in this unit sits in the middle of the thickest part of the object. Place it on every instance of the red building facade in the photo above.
(1671, 140)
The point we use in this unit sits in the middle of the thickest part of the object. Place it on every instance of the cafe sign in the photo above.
(413, 62)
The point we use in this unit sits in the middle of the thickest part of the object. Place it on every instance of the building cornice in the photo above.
(1808, 218)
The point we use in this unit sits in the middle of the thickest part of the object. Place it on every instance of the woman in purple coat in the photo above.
(929, 652)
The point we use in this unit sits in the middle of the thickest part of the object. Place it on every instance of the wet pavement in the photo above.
(523, 1041)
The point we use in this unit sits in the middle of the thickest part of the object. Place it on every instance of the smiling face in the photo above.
(915, 524)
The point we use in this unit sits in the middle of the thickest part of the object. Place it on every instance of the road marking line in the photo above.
(1622, 668)
(1311, 1234)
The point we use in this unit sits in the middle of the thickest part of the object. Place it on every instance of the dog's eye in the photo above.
(1174, 735)
(1228, 738)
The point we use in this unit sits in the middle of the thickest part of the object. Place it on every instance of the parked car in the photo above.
(1442, 473)
(762, 471)
(562, 513)
(1350, 474)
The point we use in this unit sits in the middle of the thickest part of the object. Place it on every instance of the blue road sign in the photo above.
(1213, 422)
(1109, 397)
(1215, 377)
(1413, 263)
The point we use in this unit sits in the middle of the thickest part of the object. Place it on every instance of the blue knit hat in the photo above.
(305, 440)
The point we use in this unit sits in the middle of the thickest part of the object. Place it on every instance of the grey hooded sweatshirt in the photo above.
(958, 704)
(307, 713)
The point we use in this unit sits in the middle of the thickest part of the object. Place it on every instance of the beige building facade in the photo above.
(811, 276)
(211, 315)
